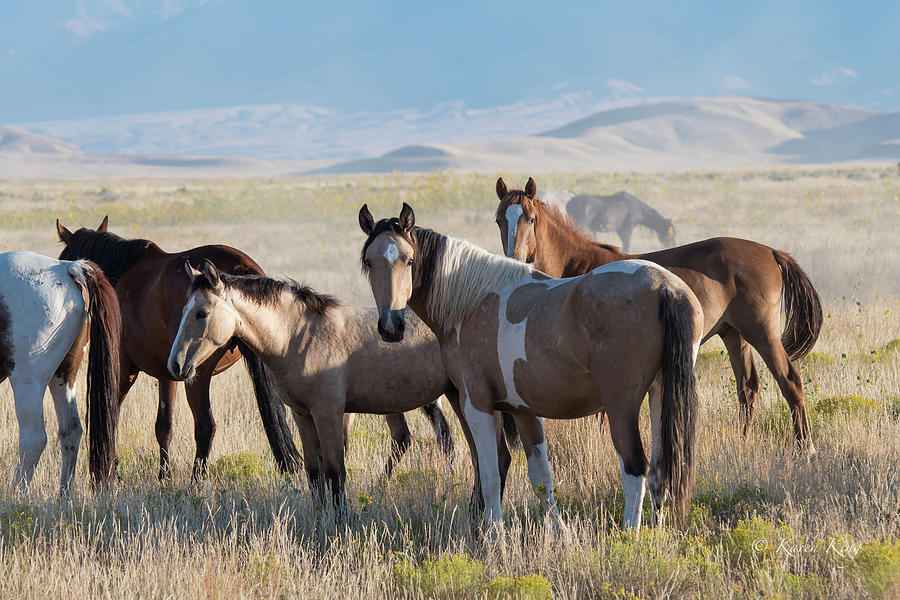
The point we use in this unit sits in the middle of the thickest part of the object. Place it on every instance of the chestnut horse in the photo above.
(326, 359)
(152, 285)
(516, 341)
(46, 306)
(740, 284)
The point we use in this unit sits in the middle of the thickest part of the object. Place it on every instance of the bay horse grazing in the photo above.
(49, 310)
(151, 285)
(620, 212)
(516, 341)
(740, 284)
(325, 357)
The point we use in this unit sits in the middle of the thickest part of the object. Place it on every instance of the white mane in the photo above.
(465, 276)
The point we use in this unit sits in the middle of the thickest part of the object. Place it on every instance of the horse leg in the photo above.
(62, 389)
(789, 382)
(625, 235)
(312, 455)
(164, 414)
(347, 426)
(476, 500)
(658, 496)
(204, 424)
(531, 432)
(441, 428)
(331, 437)
(400, 441)
(483, 427)
(626, 437)
(29, 400)
(746, 377)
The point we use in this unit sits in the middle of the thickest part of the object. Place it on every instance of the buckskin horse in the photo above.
(151, 285)
(46, 306)
(516, 341)
(326, 359)
(740, 284)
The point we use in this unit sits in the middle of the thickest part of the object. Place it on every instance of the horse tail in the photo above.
(511, 431)
(678, 433)
(271, 409)
(802, 308)
(103, 370)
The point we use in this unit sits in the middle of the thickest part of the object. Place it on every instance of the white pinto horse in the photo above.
(48, 310)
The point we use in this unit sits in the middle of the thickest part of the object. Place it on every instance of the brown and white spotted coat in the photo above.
(514, 340)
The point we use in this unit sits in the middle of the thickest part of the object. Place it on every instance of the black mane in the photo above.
(428, 245)
(113, 254)
(265, 290)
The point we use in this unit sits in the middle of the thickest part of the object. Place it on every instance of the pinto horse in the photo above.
(48, 311)
(740, 284)
(516, 341)
(325, 357)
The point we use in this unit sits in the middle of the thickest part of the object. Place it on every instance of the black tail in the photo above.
(511, 431)
(802, 308)
(102, 375)
(271, 409)
(679, 400)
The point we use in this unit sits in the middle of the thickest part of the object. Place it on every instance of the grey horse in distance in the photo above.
(621, 212)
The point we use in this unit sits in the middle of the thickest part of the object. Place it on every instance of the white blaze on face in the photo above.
(513, 212)
(510, 348)
(176, 343)
(391, 254)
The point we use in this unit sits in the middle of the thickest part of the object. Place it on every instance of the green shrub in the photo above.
(524, 587)
(879, 566)
(447, 576)
(244, 469)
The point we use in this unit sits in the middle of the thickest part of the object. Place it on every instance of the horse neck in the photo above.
(269, 327)
(563, 251)
(655, 221)
(453, 277)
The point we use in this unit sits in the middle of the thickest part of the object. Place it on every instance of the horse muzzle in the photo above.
(179, 371)
(391, 325)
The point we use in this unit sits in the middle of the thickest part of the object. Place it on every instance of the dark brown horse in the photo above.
(151, 286)
(740, 284)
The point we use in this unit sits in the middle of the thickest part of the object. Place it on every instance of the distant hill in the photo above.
(693, 133)
(679, 134)
(16, 141)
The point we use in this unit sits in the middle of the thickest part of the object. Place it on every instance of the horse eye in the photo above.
(202, 315)
(367, 263)
(531, 220)
(409, 263)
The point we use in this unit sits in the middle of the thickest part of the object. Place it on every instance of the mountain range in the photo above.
(721, 132)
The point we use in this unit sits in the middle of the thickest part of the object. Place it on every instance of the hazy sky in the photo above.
(63, 59)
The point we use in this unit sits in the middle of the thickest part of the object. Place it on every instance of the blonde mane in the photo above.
(464, 276)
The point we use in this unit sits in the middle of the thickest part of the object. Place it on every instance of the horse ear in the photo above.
(501, 188)
(65, 236)
(104, 224)
(190, 270)
(366, 220)
(531, 188)
(212, 273)
(407, 217)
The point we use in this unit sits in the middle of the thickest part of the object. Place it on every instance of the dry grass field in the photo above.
(765, 521)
